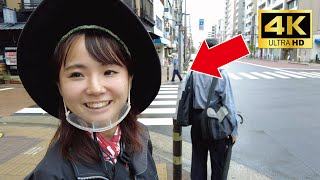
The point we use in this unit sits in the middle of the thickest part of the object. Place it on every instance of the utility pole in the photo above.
(185, 31)
(179, 35)
(177, 130)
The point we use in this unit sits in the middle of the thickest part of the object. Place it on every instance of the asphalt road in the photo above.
(279, 137)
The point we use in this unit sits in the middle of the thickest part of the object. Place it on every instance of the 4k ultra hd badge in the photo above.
(285, 28)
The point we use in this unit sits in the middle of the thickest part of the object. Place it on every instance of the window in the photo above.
(158, 23)
(291, 4)
(147, 11)
(35, 1)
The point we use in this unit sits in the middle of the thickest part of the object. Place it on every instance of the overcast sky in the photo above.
(209, 10)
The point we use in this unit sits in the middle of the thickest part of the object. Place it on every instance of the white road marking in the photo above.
(166, 96)
(305, 74)
(291, 75)
(262, 75)
(277, 75)
(233, 76)
(159, 111)
(156, 121)
(168, 89)
(31, 111)
(168, 92)
(163, 103)
(248, 75)
(169, 86)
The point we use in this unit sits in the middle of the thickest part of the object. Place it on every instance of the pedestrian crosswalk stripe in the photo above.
(315, 74)
(248, 75)
(168, 89)
(306, 74)
(170, 86)
(166, 96)
(31, 111)
(159, 111)
(156, 121)
(157, 103)
(262, 75)
(291, 75)
(168, 92)
(277, 75)
(233, 76)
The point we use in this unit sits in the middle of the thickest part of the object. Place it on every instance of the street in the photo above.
(278, 139)
(281, 129)
(279, 135)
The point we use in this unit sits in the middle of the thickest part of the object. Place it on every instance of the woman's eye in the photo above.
(110, 72)
(76, 74)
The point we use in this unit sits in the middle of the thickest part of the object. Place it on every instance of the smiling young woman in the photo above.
(93, 78)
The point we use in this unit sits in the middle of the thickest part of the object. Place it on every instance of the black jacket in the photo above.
(53, 166)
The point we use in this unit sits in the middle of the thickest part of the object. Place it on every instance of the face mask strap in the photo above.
(66, 110)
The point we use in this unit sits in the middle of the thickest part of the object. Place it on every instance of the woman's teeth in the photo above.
(97, 105)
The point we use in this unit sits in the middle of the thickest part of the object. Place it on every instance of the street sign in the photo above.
(201, 24)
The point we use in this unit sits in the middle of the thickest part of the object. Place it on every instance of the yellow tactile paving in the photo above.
(162, 171)
(8, 177)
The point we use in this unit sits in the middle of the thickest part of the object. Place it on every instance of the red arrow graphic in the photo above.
(208, 60)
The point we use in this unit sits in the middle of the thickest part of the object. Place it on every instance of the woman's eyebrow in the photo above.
(74, 66)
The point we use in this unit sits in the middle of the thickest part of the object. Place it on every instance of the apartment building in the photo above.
(161, 41)
(228, 19)
(220, 30)
(305, 55)
(238, 19)
(250, 33)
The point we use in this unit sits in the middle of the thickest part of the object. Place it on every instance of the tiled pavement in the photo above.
(24, 145)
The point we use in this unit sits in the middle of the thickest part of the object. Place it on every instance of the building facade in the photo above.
(14, 14)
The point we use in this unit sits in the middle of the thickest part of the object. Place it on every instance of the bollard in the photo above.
(177, 151)
(167, 73)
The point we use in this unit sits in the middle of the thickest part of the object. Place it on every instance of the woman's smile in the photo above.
(97, 105)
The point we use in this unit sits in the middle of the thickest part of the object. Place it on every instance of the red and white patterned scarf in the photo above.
(111, 149)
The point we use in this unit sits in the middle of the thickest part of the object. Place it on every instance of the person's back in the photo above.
(222, 92)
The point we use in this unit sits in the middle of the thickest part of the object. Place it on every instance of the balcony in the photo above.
(27, 7)
(147, 17)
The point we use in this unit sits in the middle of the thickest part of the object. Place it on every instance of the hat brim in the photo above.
(52, 19)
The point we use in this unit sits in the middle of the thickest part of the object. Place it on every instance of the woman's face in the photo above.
(91, 90)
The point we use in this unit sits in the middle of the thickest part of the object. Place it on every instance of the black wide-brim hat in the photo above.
(52, 19)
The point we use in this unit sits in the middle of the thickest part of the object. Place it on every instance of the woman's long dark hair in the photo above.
(105, 49)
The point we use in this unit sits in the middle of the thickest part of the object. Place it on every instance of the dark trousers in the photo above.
(220, 155)
(176, 72)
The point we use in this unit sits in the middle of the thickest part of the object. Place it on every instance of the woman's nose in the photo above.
(95, 86)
